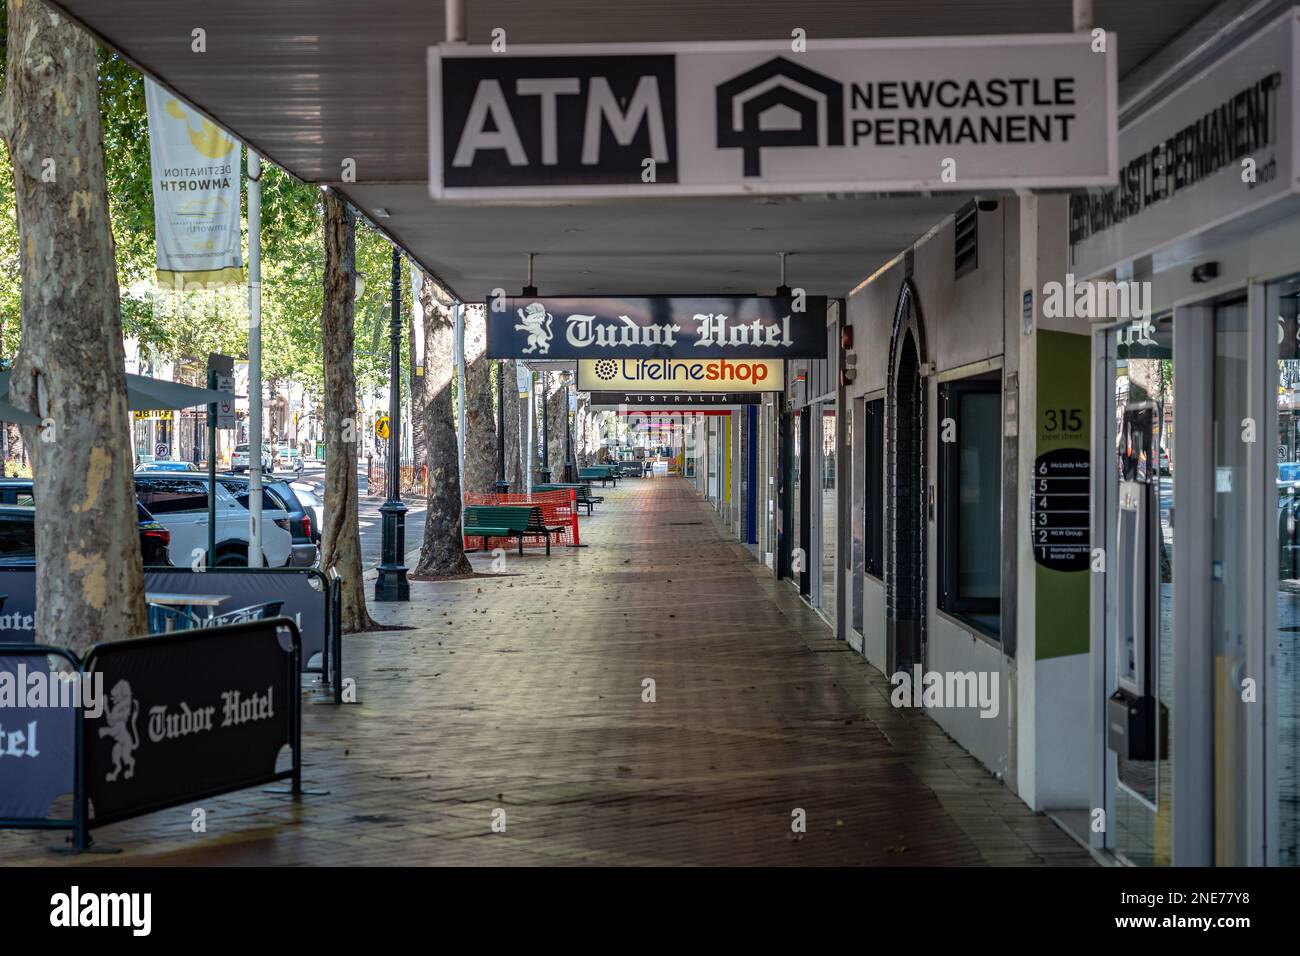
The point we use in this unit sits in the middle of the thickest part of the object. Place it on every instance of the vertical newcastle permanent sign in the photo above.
(930, 113)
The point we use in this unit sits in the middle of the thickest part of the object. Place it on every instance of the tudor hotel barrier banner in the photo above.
(196, 177)
(188, 714)
(711, 119)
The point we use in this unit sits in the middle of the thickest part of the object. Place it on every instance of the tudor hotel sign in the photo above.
(1027, 111)
(657, 327)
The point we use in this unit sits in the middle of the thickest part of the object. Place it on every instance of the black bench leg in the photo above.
(521, 545)
(548, 544)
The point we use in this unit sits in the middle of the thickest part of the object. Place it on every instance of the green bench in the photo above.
(581, 493)
(507, 521)
(601, 473)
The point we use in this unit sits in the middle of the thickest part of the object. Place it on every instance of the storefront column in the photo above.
(1051, 721)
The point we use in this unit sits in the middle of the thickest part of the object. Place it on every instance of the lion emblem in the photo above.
(123, 716)
(536, 322)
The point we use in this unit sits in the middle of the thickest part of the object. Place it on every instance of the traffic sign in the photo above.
(381, 427)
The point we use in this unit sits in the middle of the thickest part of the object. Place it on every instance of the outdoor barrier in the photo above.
(557, 507)
(38, 745)
(304, 594)
(173, 718)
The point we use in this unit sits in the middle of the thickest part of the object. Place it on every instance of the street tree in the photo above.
(70, 366)
(480, 401)
(442, 554)
(341, 537)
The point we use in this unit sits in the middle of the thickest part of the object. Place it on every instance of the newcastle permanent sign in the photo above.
(1029, 111)
(776, 327)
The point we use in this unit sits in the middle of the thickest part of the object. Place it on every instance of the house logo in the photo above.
(778, 104)
(535, 322)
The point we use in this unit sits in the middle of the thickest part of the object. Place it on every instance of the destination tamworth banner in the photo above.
(195, 171)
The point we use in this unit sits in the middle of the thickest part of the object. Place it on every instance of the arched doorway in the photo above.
(905, 487)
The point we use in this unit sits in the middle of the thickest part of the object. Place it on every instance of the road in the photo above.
(369, 518)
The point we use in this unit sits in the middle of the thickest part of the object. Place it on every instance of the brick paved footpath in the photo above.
(523, 692)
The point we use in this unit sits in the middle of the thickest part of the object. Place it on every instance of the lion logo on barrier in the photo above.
(536, 321)
(123, 716)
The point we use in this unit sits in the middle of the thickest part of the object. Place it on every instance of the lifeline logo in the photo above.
(102, 910)
(681, 375)
(946, 689)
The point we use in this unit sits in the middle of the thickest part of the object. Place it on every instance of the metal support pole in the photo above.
(455, 21)
(254, 360)
(546, 430)
(391, 584)
(212, 473)
(503, 486)
(1082, 16)
(568, 436)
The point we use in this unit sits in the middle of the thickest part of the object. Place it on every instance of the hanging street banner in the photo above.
(682, 376)
(1035, 111)
(196, 178)
(752, 327)
(672, 399)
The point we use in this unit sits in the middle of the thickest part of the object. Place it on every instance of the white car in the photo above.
(239, 460)
(182, 503)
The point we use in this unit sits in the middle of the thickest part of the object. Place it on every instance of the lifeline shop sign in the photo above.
(753, 327)
(712, 119)
(680, 375)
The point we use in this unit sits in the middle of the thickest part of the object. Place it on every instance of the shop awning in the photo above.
(142, 394)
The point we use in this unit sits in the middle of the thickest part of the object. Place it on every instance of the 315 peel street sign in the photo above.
(711, 119)
(657, 327)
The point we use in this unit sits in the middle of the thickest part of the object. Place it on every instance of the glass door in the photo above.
(1138, 529)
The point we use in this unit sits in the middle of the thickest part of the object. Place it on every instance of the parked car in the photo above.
(18, 527)
(281, 504)
(180, 502)
(239, 459)
(313, 504)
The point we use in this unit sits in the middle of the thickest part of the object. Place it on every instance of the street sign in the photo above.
(1029, 111)
(162, 451)
(669, 399)
(381, 427)
(680, 375)
(224, 381)
(658, 327)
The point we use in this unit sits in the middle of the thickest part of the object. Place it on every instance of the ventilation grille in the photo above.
(965, 257)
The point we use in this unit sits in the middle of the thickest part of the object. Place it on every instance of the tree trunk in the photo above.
(442, 554)
(480, 405)
(514, 459)
(555, 412)
(341, 537)
(71, 365)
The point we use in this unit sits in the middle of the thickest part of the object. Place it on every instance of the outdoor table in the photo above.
(188, 602)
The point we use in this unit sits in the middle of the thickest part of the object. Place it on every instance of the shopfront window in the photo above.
(799, 559)
(970, 501)
(828, 507)
(1283, 303)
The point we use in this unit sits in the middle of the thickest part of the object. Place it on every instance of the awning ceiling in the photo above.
(311, 82)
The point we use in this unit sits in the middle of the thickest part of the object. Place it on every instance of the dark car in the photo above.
(18, 533)
(277, 495)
